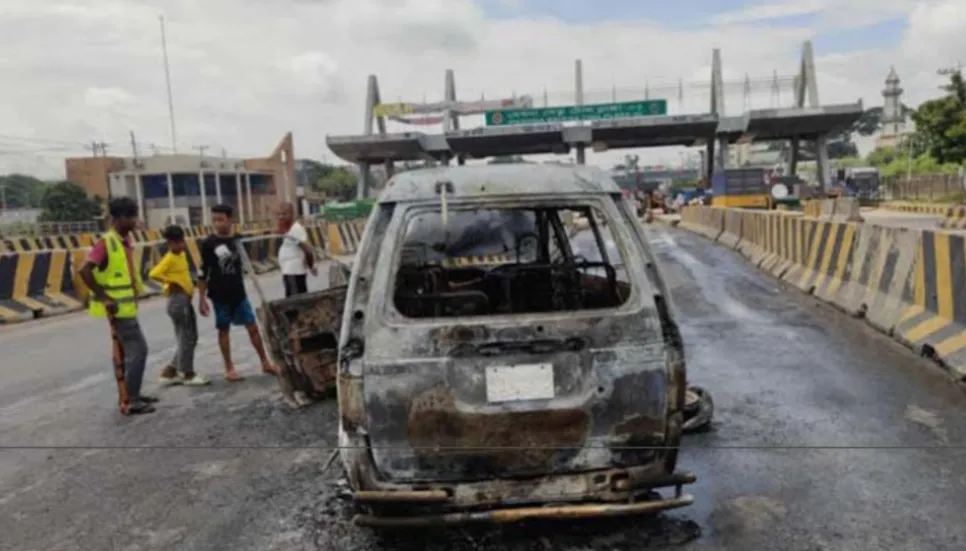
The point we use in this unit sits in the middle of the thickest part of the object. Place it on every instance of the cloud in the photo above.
(765, 12)
(828, 14)
(245, 72)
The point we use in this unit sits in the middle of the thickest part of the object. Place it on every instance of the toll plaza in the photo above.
(515, 127)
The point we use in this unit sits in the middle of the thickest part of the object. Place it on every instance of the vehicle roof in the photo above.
(498, 180)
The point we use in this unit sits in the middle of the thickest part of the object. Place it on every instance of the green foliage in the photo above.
(506, 160)
(68, 202)
(22, 191)
(870, 122)
(941, 123)
(337, 182)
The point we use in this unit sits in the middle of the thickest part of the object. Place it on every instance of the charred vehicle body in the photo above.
(495, 365)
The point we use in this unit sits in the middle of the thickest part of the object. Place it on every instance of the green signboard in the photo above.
(597, 111)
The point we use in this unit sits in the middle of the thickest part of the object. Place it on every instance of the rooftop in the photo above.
(498, 180)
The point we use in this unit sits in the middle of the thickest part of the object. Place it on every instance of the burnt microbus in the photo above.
(507, 352)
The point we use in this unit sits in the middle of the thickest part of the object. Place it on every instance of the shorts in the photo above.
(239, 314)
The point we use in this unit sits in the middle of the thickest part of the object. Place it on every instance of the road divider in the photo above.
(344, 237)
(935, 324)
(20, 244)
(907, 283)
(841, 209)
(38, 284)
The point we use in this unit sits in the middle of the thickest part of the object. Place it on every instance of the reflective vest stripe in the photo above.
(116, 280)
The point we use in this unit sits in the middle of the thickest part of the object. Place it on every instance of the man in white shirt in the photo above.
(295, 255)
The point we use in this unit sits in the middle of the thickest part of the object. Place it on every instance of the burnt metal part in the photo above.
(591, 495)
(303, 338)
(698, 409)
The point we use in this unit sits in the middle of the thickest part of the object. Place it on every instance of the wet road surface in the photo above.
(827, 436)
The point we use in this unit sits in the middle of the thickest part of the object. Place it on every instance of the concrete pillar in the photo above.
(718, 107)
(365, 180)
(218, 188)
(578, 83)
(248, 192)
(205, 215)
(581, 154)
(171, 196)
(793, 151)
(240, 198)
(821, 162)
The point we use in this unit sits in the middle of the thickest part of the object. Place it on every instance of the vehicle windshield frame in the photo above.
(603, 204)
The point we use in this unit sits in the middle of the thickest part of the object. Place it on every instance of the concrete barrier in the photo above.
(847, 209)
(882, 267)
(955, 218)
(935, 209)
(909, 284)
(36, 284)
(730, 234)
(344, 237)
(812, 208)
(828, 266)
(707, 221)
(935, 323)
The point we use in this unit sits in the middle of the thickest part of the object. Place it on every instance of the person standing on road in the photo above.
(221, 279)
(174, 274)
(115, 284)
(295, 255)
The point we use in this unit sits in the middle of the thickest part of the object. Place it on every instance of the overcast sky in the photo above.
(246, 71)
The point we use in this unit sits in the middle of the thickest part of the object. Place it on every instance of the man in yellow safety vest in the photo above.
(115, 284)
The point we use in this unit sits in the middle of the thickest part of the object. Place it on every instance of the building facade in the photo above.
(168, 188)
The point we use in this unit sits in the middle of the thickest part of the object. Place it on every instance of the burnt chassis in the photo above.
(606, 492)
(303, 333)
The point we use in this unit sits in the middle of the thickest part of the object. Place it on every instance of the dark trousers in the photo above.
(295, 285)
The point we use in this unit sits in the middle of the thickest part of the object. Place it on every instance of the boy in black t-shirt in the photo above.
(221, 279)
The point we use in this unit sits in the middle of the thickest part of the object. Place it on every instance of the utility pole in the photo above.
(167, 81)
(97, 147)
(138, 191)
(201, 183)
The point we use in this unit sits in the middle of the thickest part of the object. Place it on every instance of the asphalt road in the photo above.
(827, 436)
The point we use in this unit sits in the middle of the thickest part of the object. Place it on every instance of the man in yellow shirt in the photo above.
(174, 274)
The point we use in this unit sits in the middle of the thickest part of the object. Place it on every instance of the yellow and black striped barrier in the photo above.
(343, 238)
(908, 283)
(36, 284)
(935, 322)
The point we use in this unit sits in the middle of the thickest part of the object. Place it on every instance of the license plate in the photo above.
(510, 383)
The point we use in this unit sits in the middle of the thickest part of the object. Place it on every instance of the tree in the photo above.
(870, 122)
(66, 201)
(882, 156)
(21, 191)
(337, 182)
(839, 147)
(941, 122)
